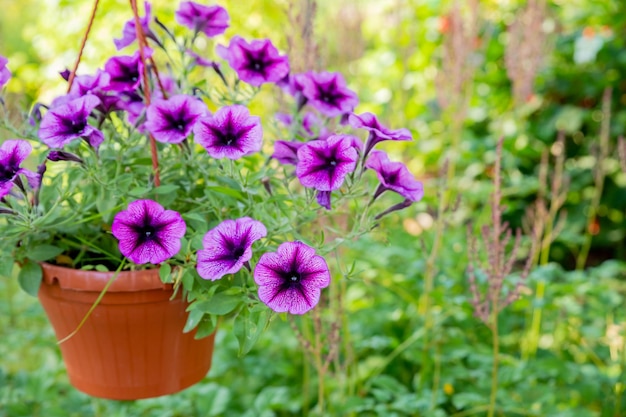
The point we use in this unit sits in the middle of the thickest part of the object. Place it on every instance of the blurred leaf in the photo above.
(29, 277)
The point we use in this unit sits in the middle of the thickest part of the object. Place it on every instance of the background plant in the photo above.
(577, 367)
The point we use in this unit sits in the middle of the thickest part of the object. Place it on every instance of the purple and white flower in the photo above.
(377, 132)
(257, 62)
(64, 123)
(286, 152)
(13, 153)
(147, 233)
(172, 120)
(291, 279)
(210, 20)
(229, 133)
(394, 176)
(228, 247)
(5, 74)
(327, 92)
(324, 164)
(129, 33)
(125, 71)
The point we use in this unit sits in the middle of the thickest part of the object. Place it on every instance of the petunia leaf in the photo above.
(248, 327)
(165, 272)
(192, 320)
(6, 267)
(206, 326)
(44, 252)
(219, 304)
(29, 277)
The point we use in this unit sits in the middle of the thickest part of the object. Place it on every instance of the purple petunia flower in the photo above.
(257, 62)
(5, 74)
(327, 92)
(125, 71)
(90, 84)
(211, 20)
(286, 152)
(67, 122)
(394, 176)
(230, 133)
(290, 279)
(12, 153)
(324, 164)
(172, 120)
(129, 33)
(378, 132)
(148, 233)
(228, 247)
(56, 156)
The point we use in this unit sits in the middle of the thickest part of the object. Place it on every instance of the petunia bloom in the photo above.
(229, 133)
(125, 71)
(291, 279)
(324, 164)
(378, 132)
(327, 92)
(148, 233)
(129, 33)
(394, 176)
(12, 153)
(5, 74)
(257, 62)
(211, 20)
(64, 123)
(228, 247)
(286, 152)
(173, 119)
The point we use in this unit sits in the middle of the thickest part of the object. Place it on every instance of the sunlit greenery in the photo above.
(410, 343)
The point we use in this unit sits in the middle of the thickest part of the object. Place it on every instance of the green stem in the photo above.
(496, 360)
(94, 305)
(599, 176)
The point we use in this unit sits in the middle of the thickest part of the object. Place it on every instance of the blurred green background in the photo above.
(459, 75)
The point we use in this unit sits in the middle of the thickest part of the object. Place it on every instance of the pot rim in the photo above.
(81, 280)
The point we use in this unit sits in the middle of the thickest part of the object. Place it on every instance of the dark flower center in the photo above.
(237, 252)
(7, 173)
(148, 232)
(292, 278)
(75, 126)
(328, 95)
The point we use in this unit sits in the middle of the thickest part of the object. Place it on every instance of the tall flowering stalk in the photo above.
(489, 302)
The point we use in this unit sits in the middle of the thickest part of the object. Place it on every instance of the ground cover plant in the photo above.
(517, 111)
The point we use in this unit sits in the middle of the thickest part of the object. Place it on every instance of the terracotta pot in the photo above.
(132, 346)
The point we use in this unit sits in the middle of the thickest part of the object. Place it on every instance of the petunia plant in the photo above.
(156, 160)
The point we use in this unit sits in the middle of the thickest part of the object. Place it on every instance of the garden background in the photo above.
(547, 77)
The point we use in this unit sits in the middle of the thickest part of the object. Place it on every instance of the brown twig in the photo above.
(141, 39)
(70, 81)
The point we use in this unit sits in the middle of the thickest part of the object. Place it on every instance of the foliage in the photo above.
(410, 344)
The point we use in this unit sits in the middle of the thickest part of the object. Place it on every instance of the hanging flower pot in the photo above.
(132, 345)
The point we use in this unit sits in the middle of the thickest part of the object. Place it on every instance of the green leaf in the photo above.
(139, 191)
(101, 268)
(6, 267)
(206, 327)
(193, 319)
(29, 277)
(248, 327)
(227, 191)
(219, 304)
(165, 273)
(166, 189)
(44, 252)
